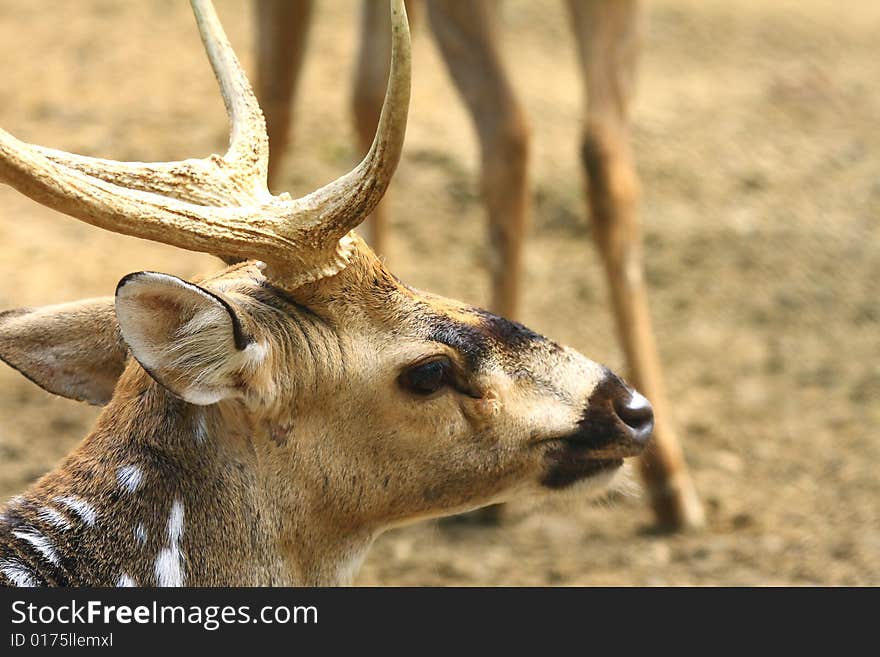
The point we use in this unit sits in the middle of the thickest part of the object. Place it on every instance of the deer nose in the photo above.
(618, 421)
(635, 411)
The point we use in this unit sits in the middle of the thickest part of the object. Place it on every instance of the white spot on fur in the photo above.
(80, 507)
(175, 522)
(140, 534)
(169, 562)
(18, 573)
(129, 477)
(41, 544)
(54, 518)
(255, 353)
(125, 581)
(169, 571)
(201, 427)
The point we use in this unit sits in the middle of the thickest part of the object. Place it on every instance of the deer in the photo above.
(607, 34)
(261, 425)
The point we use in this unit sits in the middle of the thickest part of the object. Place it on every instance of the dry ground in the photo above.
(756, 134)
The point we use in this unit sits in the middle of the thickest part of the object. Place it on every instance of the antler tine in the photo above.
(135, 212)
(221, 205)
(351, 198)
(194, 180)
(248, 139)
(246, 160)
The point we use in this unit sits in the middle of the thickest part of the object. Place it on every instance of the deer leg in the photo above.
(467, 39)
(282, 30)
(466, 36)
(607, 34)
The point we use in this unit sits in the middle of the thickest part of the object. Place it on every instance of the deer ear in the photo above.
(72, 349)
(188, 339)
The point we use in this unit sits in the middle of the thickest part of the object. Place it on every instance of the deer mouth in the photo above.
(569, 460)
(617, 423)
(572, 458)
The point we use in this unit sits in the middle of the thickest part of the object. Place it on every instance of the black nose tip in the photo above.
(618, 421)
(635, 411)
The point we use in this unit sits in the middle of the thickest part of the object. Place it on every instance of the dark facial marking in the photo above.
(475, 341)
(599, 442)
(599, 426)
(504, 331)
(570, 467)
(469, 341)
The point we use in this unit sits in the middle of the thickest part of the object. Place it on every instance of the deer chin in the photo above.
(570, 461)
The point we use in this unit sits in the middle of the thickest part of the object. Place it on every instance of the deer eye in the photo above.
(426, 378)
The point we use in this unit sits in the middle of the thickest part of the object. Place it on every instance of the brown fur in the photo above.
(261, 432)
(608, 38)
(93, 358)
(319, 449)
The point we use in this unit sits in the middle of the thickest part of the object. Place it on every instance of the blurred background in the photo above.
(757, 138)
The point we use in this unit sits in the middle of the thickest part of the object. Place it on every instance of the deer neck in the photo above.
(169, 494)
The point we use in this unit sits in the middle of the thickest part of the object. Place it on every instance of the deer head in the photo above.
(276, 416)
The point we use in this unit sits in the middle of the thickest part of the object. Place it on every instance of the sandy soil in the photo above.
(756, 134)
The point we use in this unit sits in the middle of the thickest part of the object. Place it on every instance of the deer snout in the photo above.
(616, 423)
(635, 411)
(618, 420)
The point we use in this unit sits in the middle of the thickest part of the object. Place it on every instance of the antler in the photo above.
(221, 204)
